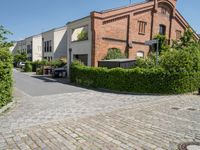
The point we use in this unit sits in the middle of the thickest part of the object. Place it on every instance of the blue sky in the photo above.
(29, 17)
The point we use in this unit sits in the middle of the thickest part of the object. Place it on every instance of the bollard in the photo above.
(199, 92)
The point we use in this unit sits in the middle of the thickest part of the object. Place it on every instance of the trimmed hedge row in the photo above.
(136, 80)
(5, 77)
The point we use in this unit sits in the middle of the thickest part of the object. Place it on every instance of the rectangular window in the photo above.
(142, 27)
(47, 46)
(50, 46)
(162, 29)
(178, 34)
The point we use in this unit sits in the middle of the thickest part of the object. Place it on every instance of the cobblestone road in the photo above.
(96, 120)
(91, 120)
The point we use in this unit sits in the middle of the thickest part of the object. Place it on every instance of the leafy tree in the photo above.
(186, 40)
(20, 57)
(114, 53)
(3, 38)
(184, 55)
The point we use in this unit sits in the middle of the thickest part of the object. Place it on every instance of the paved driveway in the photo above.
(85, 119)
(40, 85)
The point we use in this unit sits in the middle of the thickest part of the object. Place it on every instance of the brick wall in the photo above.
(118, 28)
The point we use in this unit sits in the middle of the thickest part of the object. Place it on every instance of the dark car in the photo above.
(60, 72)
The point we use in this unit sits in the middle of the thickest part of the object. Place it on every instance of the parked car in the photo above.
(60, 72)
(21, 64)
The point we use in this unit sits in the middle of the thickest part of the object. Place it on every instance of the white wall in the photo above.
(60, 42)
(80, 47)
(48, 36)
(37, 47)
(28, 42)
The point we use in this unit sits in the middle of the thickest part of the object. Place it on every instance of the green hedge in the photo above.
(137, 80)
(5, 77)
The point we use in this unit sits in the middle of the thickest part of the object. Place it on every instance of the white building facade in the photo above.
(54, 44)
(79, 39)
(49, 45)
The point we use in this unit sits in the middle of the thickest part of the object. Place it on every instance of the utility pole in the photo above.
(130, 2)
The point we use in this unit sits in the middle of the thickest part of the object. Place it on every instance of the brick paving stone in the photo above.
(97, 120)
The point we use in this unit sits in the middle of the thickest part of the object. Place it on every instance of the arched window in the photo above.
(140, 54)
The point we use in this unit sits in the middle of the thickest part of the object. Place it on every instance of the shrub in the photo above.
(5, 76)
(139, 80)
(28, 67)
(35, 65)
(148, 62)
(57, 63)
(39, 71)
(185, 60)
(114, 53)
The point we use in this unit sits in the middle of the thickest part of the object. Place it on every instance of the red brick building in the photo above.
(127, 28)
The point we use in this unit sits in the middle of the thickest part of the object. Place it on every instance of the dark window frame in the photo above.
(162, 29)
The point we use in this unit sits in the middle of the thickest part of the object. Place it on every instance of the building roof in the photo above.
(70, 22)
(117, 60)
(122, 7)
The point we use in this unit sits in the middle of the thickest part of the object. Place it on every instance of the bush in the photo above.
(35, 65)
(39, 71)
(148, 62)
(185, 60)
(114, 53)
(58, 63)
(139, 80)
(5, 76)
(28, 67)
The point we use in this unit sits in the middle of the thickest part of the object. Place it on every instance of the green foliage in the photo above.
(57, 63)
(138, 80)
(39, 71)
(20, 57)
(5, 76)
(54, 64)
(6, 60)
(114, 53)
(186, 40)
(3, 33)
(184, 56)
(82, 36)
(163, 45)
(148, 62)
(185, 60)
(28, 67)
(35, 65)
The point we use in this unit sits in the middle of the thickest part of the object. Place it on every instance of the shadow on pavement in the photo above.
(50, 79)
